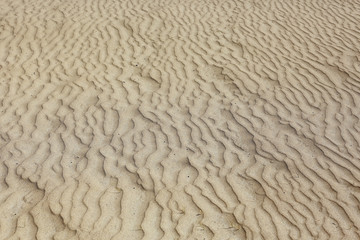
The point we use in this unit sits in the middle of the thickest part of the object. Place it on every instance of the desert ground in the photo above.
(179, 119)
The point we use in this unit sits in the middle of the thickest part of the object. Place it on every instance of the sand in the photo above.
(169, 119)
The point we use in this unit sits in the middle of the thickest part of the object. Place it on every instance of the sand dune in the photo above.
(179, 119)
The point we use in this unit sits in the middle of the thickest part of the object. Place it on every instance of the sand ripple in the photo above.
(179, 119)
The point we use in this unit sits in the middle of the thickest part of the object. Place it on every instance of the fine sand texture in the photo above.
(179, 119)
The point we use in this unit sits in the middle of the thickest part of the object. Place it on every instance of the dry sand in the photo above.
(169, 119)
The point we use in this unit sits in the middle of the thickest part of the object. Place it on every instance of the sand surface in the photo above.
(169, 119)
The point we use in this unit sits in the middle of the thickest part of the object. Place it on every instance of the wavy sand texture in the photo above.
(169, 119)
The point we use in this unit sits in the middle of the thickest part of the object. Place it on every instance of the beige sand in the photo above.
(169, 119)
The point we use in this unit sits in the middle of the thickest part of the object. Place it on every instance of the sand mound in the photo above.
(191, 119)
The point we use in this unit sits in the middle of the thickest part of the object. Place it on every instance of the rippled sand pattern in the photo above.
(191, 119)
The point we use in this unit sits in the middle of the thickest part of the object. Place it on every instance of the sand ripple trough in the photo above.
(179, 119)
